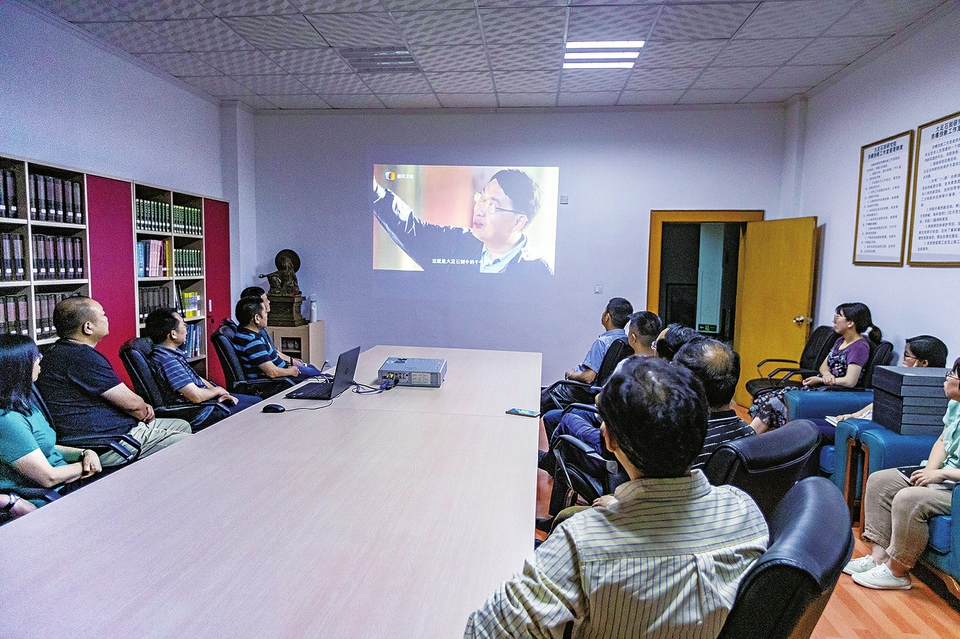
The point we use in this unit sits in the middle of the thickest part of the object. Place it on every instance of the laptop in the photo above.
(342, 379)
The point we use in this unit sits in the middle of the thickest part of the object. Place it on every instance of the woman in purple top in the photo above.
(841, 367)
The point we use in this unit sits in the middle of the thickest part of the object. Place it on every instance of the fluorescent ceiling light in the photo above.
(607, 44)
(603, 55)
(598, 65)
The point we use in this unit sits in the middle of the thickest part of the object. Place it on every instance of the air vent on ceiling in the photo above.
(380, 59)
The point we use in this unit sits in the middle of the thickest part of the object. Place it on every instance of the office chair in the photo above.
(783, 595)
(618, 350)
(765, 466)
(222, 340)
(814, 352)
(134, 354)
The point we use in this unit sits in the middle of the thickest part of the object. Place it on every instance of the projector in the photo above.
(413, 371)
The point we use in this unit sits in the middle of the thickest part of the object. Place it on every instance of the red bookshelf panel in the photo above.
(216, 254)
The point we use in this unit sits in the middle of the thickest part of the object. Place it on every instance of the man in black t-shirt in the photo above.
(84, 394)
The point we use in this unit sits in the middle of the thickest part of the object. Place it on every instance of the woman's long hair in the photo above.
(17, 355)
(859, 314)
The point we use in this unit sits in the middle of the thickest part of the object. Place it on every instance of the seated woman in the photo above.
(29, 456)
(898, 509)
(841, 367)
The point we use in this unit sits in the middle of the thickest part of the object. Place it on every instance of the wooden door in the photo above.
(775, 293)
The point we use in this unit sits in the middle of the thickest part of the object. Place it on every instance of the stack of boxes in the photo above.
(909, 401)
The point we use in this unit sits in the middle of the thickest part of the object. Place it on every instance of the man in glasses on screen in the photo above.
(495, 241)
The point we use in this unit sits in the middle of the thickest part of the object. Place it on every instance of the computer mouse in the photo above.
(273, 408)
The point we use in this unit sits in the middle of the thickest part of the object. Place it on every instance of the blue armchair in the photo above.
(883, 448)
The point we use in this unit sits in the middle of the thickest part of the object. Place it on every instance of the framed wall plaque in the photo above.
(935, 223)
(883, 201)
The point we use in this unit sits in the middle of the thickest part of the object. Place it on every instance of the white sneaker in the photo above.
(859, 565)
(881, 578)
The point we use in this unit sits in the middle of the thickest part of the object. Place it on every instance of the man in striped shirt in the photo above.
(258, 357)
(665, 558)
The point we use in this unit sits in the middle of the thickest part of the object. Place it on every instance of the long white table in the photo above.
(369, 518)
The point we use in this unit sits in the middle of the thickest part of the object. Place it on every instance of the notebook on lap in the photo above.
(342, 379)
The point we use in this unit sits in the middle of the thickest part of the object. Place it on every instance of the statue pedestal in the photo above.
(285, 310)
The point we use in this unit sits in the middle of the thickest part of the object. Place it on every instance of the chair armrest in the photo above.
(46, 494)
(764, 362)
(790, 373)
(568, 382)
(591, 408)
(588, 451)
(196, 414)
(108, 443)
(889, 449)
(852, 428)
(809, 404)
(263, 388)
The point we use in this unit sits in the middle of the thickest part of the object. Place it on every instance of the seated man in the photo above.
(182, 384)
(85, 397)
(258, 357)
(612, 571)
(613, 319)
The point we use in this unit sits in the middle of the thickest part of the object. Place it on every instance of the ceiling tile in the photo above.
(132, 37)
(439, 27)
(427, 5)
(352, 101)
(221, 86)
(228, 8)
(522, 57)
(796, 19)
(409, 100)
(310, 61)
(593, 79)
(450, 58)
(467, 100)
(649, 97)
(522, 26)
(527, 99)
(334, 83)
(396, 82)
(675, 55)
(277, 32)
(882, 17)
(297, 101)
(86, 11)
(648, 79)
(611, 23)
(713, 96)
(523, 3)
(240, 62)
(588, 98)
(272, 84)
(472, 82)
(836, 50)
(207, 34)
(178, 64)
(809, 76)
(527, 81)
(357, 29)
(772, 95)
(733, 77)
(256, 102)
(338, 6)
(758, 53)
(165, 10)
(700, 21)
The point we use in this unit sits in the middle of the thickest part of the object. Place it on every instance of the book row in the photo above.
(54, 199)
(152, 298)
(187, 219)
(190, 305)
(44, 304)
(153, 258)
(8, 194)
(14, 264)
(14, 317)
(57, 258)
(188, 262)
(152, 215)
(193, 347)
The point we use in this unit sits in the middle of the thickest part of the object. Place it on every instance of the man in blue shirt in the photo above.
(168, 331)
(258, 357)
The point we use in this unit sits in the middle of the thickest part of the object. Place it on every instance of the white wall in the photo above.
(914, 83)
(69, 102)
(313, 185)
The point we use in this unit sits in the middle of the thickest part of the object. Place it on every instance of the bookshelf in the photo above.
(43, 244)
(169, 261)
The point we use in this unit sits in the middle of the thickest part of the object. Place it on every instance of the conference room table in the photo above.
(384, 515)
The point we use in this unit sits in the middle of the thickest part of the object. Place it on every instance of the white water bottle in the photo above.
(313, 310)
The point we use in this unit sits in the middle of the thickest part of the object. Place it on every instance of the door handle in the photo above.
(799, 320)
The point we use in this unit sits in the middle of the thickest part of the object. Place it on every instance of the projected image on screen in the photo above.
(480, 218)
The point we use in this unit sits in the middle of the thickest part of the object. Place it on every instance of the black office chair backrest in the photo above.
(765, 466)
(880, 355)
(817, 347)
(785, 592)
(618, 351)
(135, 357)
(222, 340)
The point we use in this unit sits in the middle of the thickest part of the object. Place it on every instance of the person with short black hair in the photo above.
(85, 397)
(672, 339)
(181, 384)
(259, 358)
(495, 241)
(611, 571)
(642, 329)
